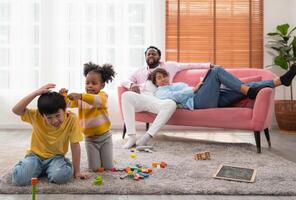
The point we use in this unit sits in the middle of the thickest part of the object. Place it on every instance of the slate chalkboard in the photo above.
(235, 173)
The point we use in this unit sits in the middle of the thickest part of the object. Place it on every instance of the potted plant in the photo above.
(283, 48)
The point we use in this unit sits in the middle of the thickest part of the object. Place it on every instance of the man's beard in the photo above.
(153, 64)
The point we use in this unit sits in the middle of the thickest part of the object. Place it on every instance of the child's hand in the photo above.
(81, 175)
(45, 88)
(63, 92)
(197, 86)
(74, 96)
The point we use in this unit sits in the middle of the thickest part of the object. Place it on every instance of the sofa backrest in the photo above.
(192, 76)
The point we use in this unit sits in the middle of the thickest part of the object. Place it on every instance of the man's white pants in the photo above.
(133, 102)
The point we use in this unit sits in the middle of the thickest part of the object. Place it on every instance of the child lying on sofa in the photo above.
(209, 94)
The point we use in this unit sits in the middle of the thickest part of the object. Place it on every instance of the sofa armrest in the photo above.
(120, 91)
(263, 109)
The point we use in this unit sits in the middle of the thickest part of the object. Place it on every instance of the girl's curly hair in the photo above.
(107, 72)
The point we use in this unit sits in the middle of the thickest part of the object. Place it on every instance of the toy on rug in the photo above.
(133, 156)
(147, 149)
(138, 172)
(203, 155)
(34, 182)
(98, 180)
(162, 164)
(101, 169)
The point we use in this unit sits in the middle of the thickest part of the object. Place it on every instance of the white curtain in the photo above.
(45, 41)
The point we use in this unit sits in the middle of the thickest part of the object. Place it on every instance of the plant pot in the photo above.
(285, 113)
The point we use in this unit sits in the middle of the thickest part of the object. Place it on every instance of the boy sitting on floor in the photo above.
(53, 129)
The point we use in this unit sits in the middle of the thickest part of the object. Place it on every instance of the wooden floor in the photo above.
(143, 197)
(13, 144)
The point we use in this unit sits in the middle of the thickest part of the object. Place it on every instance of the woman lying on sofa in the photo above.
(208, 93)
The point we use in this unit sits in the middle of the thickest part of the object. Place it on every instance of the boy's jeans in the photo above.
(57, 168)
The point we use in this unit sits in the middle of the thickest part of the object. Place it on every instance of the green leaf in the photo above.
(276, 48)
(281, 61)
(294, 46)
(272, 34)
(283, 28)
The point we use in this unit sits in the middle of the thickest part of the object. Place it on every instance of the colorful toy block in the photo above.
(133, 156)
(113, 169)
(34, 182)
(150, 170)
(101, 169)
(154, 164)
(127, 169)
(143, 174)
(163, 164)
(98, 180)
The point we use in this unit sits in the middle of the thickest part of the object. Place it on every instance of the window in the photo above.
(19, 44)
(49, 41)
(224, 32)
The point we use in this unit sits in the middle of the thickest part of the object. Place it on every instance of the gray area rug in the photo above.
(183, 175)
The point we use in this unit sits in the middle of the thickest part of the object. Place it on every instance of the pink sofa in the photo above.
(247, 114)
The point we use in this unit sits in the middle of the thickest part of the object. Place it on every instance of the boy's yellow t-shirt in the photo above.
(48, 141)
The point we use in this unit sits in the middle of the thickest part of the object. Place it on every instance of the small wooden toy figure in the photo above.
(34, 182)
(204, 155)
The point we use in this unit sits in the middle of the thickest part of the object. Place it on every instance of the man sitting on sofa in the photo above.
(140, 96)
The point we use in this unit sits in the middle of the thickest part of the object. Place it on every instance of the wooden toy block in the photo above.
(204, 155)
(101, 169)
(154, 164)
(133, 156)
(130, 174)
(150, 170)
(120, 169)
(163, 164)
(128, 169)
(143, 174)
(139, 165)
(98, 180)
(124, 176)
(113, 169)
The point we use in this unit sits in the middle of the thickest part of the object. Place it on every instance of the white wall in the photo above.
(275, 12)
(278, 12)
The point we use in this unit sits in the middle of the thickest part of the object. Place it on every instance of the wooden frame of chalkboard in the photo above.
(235, 173)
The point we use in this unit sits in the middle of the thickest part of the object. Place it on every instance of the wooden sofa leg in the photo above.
(258, 142)
(124, 131)
(266, 131)
(147, 126)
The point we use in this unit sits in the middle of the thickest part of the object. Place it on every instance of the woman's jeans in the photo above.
(211, 95)
(57, 168)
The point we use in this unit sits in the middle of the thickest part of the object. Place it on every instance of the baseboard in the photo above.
(139, 126)
(15, 126)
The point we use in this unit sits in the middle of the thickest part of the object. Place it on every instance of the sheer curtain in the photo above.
(45, 41)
